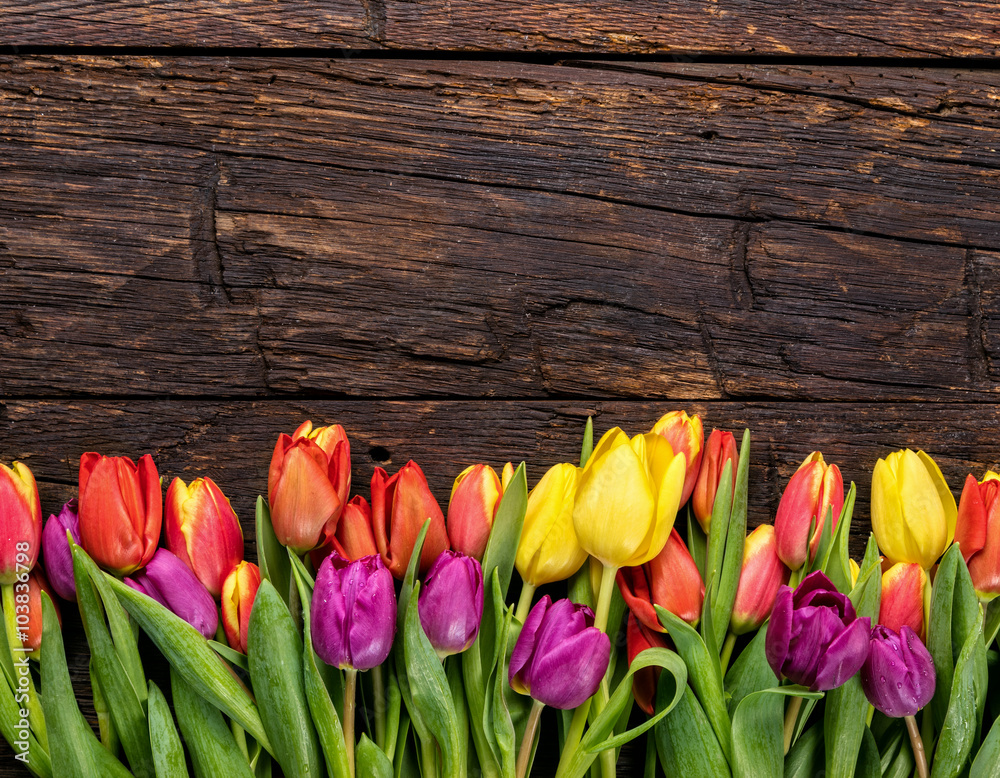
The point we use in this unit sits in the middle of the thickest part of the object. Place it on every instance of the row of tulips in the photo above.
(768, 653)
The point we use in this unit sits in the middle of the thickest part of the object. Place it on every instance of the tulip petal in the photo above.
(887, 513)
(549, 549)
(525, 645)
(779, 631)
(970, 526)
(569, 674)
(668, 494)
(944, 493)
(304, 499)
(844, 656)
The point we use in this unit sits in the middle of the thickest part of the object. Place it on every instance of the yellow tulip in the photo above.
(549, 550)
(913, 511)
(627, 498)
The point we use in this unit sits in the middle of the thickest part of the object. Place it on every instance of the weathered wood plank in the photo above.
(955, 28)
(194, 227)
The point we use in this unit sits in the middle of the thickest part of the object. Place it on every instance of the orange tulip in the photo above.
(203, 531)
(814, 489)
(475, 498)
(686, 436)
(903, 587)
(400, 506)
(721, 448)
(670, 579)
(977, 532)
(238, 593)
(355, 537)
(308, 484)
(121, 509)
(20, 522)
(763, 573)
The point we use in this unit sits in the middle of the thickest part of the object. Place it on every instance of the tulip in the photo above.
(913, 511)
(308, 483)
(560, 656)
(506, 475)
(977, 532)
(451, 603)
(637, 639)
(474, 500)
(686, 436)
(238, 593)
(721, 448)
(903, 587)
(353, 612)
(30, 630)
(814, 637)
(20, 521)
(203, 531)
(898, 676)
(400, 506)
(815, 489)
(120, 511)
(172, 584)
(670, 579)
(761, 576)
(549, 550)
(58, 557)
(354, 538)
(627, 498)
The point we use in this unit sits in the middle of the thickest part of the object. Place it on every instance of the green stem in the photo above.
(794, 704)
(19, 654)
(350, 689)
(240, 736)
(650, 771)
(727, 652)
(918, 747)
(524, 755)
(607, 758)
(524, 604)
(378, 692)
(573, 736)
(428, 758)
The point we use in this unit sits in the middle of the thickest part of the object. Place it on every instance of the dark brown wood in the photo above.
(909, 28)
(253, 227)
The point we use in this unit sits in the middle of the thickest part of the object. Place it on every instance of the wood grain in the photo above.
(255, 227)
(951, 28)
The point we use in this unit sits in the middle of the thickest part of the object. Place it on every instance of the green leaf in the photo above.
(10, 716)
(588, 442)
(214, 752)
(370, 760)
(825, 542)
(399, 657)
(805, 758)
(758, 731)
(718, 531)
(685, 742)
(272, 558)
(838, 565)
(168, 753)
(844, 727)
(230, 655)
(992, 625)
(866, 596)
(750, 672)
(868, 765)
(502, 724)
(274, 652)
(697, 541)
(579, 588)
(732, 564)
(987, 761)
(903, 763)
(476, 687)
(190, 655)
(704, 675)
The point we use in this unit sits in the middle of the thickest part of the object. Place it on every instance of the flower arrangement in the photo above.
(386, 637)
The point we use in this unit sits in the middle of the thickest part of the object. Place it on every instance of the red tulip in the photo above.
(20, 522)
(475, 498)
(903, 587)
(721, 448)
(238, 593)
(977, 532)
(814, 489)
(30, 630)
(685, 435)
(762, 575)
(308, 484)
(637, 639)
(400, 506)
(670, 579)
(203, 531)
(120, 510)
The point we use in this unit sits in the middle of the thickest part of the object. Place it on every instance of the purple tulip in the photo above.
(815, 638)
(898, 676)
(56, 553)
(172, 584)
(451, 603)
(353, 612)
(560, 656)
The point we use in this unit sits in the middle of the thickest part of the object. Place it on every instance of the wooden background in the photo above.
(459, 228)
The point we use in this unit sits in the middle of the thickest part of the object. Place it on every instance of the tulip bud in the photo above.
(978, 533)
(627, 498)
(203, 531)
(855, 572)
(815, 489)
(560, 656)
(686, 436)
(172, 584)
(637, 639)
(670, 579)
(308, 483)
(814, 637)
(30, 630)
(451, 603)
(238, 593)
(57, 555)
(762, 575)
(913, 511)
(721, 448)
(120, 511)
(353, 612)
(903, 587)
(898, 676)
(400, 506)
(354, 538)
(20, 521)
(506, 475)
(549, 550)
(474, 500)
